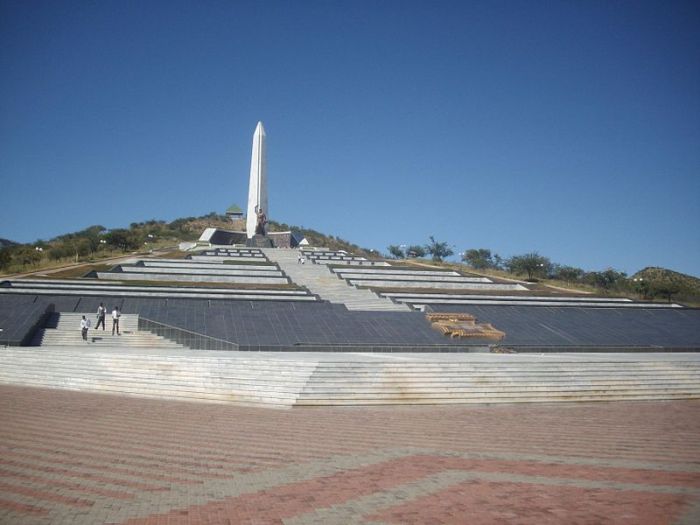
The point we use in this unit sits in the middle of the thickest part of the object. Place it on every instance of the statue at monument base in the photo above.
(261, 223)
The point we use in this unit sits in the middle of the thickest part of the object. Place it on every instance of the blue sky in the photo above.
(570, 128)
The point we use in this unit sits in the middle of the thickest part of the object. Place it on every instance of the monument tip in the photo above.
(259, 128)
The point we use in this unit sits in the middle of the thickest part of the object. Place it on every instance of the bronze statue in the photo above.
(262, 221)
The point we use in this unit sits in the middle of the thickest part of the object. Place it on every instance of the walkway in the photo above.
(320, 281)
(75, 458)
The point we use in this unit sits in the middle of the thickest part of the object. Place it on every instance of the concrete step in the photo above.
(63, 329)
(262, 374)
(405, 400)
(226, 377)
(320, 281)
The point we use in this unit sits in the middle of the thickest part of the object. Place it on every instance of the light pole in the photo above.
(641, 286)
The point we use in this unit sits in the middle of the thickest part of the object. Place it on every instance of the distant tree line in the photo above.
(648, 284)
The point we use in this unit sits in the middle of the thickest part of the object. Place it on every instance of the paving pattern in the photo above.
(87, 458)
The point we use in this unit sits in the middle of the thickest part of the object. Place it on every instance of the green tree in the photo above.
(478, 259)
(5, 258)
(665, 286)
(606, 280)
(438, 250)
(123, 239)
(533, 264)
(27, 256)
(59, 251)
(415, 251)
(569, 274)
(396, 252)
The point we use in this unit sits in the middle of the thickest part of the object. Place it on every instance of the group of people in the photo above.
(85, 323)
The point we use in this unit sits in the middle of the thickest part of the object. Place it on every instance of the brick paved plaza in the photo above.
(85, 458)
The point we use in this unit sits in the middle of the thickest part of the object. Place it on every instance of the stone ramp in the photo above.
(286, 380)
(63, 329)
(320, 281)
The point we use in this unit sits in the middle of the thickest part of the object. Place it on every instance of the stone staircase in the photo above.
(63, 329)
(319, 280)
(185, 375)
(263, 379)
(499, 381)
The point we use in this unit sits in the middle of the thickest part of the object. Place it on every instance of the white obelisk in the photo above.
(257, 189)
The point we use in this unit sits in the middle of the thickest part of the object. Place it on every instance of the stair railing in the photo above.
(185, 337)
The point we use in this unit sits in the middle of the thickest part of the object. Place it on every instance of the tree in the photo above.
(59, 251)
(666, 286)
(606, 280)
(5, 258)
(438, 250)
(123, 239)
(478, 258)
(396, 252)
(567, 273)
(532, 263)
(415, 251)
(27, 256)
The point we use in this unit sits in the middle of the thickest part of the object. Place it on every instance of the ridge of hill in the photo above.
(95, 243)
(7, 242)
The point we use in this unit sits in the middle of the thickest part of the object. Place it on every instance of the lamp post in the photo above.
(641, 287)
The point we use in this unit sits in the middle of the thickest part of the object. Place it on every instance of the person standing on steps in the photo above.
(115, 320)
(84, 326)
(101, 314)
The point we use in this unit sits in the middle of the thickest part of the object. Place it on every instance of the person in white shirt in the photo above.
(115, 320)
(84, 326)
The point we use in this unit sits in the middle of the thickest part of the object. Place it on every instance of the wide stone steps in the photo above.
(319, 280)
(156, 375)
(231, 377)
(64, 330)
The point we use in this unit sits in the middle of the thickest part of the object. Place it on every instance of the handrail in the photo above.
(186, 337)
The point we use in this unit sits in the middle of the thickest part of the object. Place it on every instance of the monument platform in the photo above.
(85, 458)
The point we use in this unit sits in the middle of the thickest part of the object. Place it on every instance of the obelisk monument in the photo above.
(257, 189)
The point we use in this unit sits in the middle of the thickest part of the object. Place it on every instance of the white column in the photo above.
(257, 189)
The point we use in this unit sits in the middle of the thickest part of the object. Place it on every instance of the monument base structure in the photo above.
(337, 346)
(218, 237)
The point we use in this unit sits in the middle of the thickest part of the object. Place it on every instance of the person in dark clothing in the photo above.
(101, 314)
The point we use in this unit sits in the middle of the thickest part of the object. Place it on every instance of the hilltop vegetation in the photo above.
(649, 284)
(95, 243)
(6, 242)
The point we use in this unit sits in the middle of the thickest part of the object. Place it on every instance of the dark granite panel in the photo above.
(583, 326)
(272, 324)
(19, 318)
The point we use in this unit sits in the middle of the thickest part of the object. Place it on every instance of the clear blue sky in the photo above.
(570, 128)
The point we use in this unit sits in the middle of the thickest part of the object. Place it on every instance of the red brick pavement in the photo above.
(69, 457)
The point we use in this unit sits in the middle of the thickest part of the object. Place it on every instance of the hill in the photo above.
(96, 242)
(7, 242)
(660, 282)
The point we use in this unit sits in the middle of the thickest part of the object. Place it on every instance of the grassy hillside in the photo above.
(667, 284)
(96, 243)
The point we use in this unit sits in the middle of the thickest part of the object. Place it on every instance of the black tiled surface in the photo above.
(19, 317)
(581, 326)
(267, 325)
